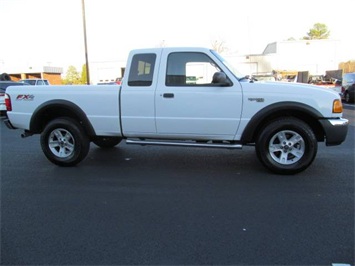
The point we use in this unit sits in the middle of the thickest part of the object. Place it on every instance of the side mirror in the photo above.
(220, 79)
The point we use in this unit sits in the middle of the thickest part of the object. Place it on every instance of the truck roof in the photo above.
(173, 49)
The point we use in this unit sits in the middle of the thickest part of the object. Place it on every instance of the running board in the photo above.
(185, 144)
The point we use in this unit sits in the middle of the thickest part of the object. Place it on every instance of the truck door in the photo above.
(189, 105)
(137, 96)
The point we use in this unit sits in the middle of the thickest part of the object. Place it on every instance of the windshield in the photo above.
(227, 64)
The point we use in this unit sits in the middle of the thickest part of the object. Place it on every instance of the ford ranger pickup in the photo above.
(188, 97)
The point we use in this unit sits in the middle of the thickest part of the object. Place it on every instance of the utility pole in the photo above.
(85, 42)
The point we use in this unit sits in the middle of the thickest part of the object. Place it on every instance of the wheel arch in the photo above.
(301, 111)
(52, 109)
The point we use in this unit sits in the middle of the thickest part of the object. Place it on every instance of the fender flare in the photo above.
(277, 110)
(71, 109)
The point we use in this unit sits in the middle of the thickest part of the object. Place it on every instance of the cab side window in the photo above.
(190, 69)
(142, 70)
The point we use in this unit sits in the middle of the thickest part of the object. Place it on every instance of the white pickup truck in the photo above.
(181, 97)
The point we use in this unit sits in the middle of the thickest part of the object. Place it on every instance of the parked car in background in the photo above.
(118, 81)
(333, 84)
(263, 77)
(326, 82)
(348, 87)
(337, 86)
(35, 82)
(3, 86)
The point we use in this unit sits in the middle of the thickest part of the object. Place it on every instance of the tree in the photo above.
(83, 75)
(318, 32)
(72, 76)
(219, 46)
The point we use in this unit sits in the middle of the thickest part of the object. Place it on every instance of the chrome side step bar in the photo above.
(185, 144)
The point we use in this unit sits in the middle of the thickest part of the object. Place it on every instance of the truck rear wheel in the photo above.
(64, 142)
(286, 146)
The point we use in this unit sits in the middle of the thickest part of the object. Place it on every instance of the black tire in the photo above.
(64, 142)
(106, 142)
(348, 98)
(286, 146)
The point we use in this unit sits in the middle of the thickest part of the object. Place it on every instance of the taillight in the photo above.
(8, 102)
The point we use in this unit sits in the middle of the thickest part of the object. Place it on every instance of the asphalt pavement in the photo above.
(174, 206)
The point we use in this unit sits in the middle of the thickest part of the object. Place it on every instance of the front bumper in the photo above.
(335, 130)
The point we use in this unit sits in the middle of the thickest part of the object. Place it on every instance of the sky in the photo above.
(50, 32)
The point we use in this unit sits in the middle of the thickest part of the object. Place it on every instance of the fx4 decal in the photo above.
(25, 97)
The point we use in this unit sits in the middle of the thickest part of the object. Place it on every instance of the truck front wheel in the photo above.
(286, 146)
(64, 142)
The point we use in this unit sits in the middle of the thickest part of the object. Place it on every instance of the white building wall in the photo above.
(251, 64)
(315, 56)
(106, 71)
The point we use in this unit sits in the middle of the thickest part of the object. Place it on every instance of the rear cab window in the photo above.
(142, 70)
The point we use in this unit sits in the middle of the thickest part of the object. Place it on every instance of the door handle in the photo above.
(168, 95)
